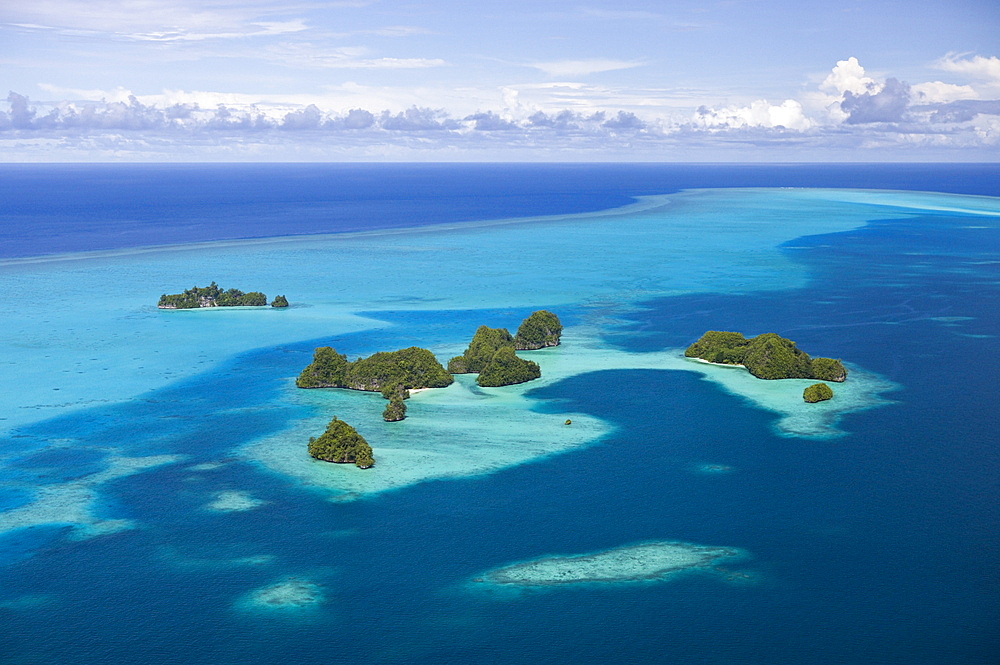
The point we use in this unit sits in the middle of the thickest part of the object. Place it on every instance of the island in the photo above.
(397, 371)
(817, 392)
(484, 345)
(341, 444)
(539, 330)
(506, 369)
(214, 296)
(766, 356)
(491, 351)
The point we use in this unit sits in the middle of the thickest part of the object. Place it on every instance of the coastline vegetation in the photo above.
(766, 356)
(342, 444)
(491, 351)
(539, 330)
(401, 370)
(506, 369)
(214, 296)
(817, 392)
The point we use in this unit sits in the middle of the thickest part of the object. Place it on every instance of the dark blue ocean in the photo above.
(879, 547)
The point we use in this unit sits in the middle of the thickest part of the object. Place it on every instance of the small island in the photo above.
(402, 370)
(540, 330)
(817, 392)
(766, 356)
(341, 444)
(214, 296)
(491, 351)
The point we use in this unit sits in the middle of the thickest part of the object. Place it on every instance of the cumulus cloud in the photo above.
(976, 67)
(849, 76)
(936, 92)
(787, 115)
(887, 105)
(491, 122)
(417, 119)
(625, 120)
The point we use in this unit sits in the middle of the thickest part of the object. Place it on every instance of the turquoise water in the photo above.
(156, 459)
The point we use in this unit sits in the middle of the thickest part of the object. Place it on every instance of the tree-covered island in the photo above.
(766, 356)
(214, 296)
(817, 392)
(538, 331)
(342, 444)
(407, 369)
(491, 351)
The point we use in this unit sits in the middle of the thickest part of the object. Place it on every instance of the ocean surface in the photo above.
(157, 503)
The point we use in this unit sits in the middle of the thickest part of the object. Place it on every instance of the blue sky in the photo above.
(225, 80)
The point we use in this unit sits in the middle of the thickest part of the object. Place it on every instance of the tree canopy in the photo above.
(342, 444)
(766, 356)
(401, 370)
(506, 369)
(539, 330)
(817, 392)
(212, 296)
(481, 350)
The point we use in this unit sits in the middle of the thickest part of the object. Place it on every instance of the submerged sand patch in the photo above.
(231, 501)
(657, 560)
(466, 430)
(289, 594)
(72, 502)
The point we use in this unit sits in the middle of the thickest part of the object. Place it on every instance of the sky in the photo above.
(442, 80)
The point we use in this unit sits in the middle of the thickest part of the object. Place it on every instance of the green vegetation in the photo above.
(412, 367)
(394, 411)
(342, 444)
(506, 369)
(396, 371)
(540, 329)
(482, 348)
(828, 369)
(213, 296)
(770, 356)
(395, 390)
(766, 356)
(279, 301)
(327, 370)
(817, 392)
(483, 356)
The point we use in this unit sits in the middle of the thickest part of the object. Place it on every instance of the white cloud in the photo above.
(256, 29)
(849, 76)
(936, 92)
(761, 113)
(575, 68)
(976, 67)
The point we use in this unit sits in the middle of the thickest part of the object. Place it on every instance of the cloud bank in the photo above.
(849, 114)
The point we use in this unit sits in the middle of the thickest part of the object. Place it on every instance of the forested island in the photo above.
(342, 444)
(491, 351)
(766, 356)
(394, 373)
(214, 296)
(401, 370)
(817, 392)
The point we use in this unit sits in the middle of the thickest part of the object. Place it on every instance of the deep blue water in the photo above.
(880, 547)
(55, 208)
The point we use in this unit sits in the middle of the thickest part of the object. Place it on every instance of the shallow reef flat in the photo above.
(120, 346)
(289, 594)
(73, 503)
(233, 501)
(658, 560)
(465, 430)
